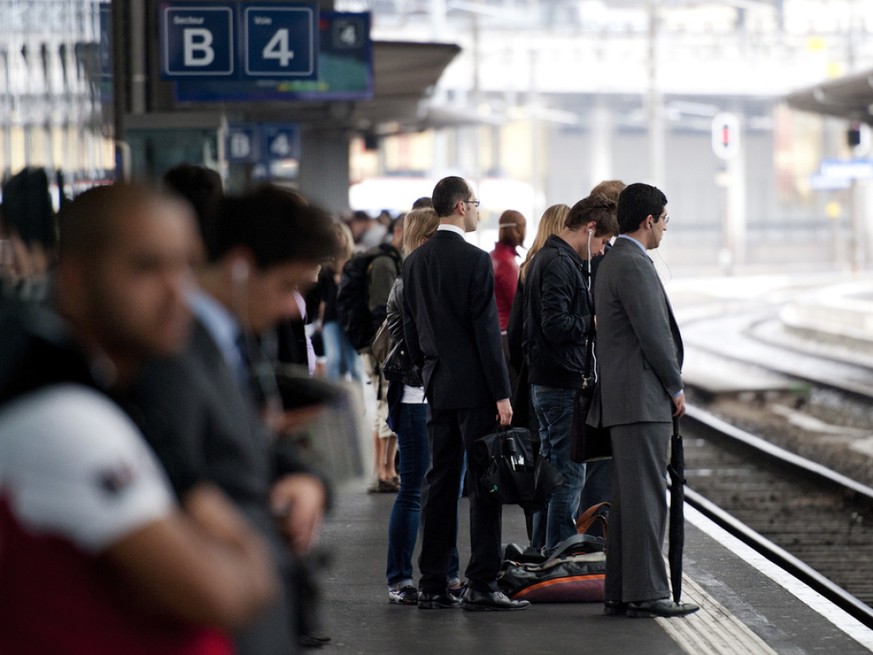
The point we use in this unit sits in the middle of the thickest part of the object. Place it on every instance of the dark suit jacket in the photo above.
(639, 348)
(451, 324)
(203, 428)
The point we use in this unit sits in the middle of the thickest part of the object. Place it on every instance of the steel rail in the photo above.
(779, 556)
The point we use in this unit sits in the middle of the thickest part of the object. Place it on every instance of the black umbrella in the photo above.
(676, 469)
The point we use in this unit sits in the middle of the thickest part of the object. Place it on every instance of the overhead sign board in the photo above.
(251, 142)
(279, 41)
(344, 70)
(852, 169)
(243, 143)
(198, 40)
(238, 40)
(281, 140)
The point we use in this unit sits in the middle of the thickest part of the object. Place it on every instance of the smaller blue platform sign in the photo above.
(279, 41)
(243, 143)
(253, 143)
(281, 140)
(197, 40)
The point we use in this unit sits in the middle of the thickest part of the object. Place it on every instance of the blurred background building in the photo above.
(534, 101)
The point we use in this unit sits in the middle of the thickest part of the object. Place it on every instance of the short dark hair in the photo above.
(203, 188)
(446, 194)
(86, 225)
(423, 202)
(597, 208)
(277, 225)
(636, 202)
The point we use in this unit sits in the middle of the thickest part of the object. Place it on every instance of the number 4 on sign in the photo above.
(277, 48)
(281, 146)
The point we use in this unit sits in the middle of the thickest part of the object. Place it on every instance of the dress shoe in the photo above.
(482, 601)
(441, 601)
(662, 607)
(614, 608)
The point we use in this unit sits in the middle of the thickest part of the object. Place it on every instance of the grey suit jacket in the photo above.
(639, 348)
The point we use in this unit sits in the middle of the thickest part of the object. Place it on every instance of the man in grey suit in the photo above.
(640, 353)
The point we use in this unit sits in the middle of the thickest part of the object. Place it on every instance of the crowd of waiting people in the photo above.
(150, 478)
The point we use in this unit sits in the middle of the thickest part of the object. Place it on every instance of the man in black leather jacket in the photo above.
(556, 324)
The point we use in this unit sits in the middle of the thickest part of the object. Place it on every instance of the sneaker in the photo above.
(406, 595)
(456, 588)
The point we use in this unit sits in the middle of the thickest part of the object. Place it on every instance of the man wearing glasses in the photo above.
(639, 349)
(452, 332)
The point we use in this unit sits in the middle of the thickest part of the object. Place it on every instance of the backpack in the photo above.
(352, 300)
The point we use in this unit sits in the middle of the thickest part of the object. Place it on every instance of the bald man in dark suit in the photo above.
(452, 332)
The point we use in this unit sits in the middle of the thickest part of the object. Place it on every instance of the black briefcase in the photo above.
(513, 471)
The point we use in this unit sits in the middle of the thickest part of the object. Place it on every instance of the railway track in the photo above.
(810, 520)
(751, 339)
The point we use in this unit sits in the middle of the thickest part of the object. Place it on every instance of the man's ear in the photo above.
(239, 262)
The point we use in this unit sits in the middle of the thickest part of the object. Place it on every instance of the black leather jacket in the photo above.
(398, 365)
(556, 316)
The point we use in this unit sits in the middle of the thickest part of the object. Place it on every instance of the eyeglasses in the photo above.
(475, 203)
(665, 217)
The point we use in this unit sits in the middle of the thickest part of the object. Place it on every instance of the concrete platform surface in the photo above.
(748, 606)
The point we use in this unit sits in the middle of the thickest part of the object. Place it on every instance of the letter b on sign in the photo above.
(197, 40)
(198, 47)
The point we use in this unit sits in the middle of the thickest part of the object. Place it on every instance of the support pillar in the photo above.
(324, 167)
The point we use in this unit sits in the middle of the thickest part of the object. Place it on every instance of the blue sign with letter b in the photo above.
(198, 39)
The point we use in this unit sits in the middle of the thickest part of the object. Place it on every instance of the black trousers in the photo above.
(451, 432)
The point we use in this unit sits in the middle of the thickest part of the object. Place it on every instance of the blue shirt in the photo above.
(224, 329)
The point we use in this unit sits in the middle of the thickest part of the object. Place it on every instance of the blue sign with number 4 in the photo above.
(278, 41)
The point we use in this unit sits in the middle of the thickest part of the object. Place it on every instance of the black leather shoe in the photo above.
(481, 601)
(614, 608)
(441, 601)
(663, 607)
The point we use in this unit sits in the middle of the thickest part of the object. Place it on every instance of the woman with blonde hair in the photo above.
(551, 222)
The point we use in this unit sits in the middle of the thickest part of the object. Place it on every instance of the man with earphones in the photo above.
(640, 355)
(556, 324)
(199, 411)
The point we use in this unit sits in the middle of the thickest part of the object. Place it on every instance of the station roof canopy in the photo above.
(404, 74)
(849, 97)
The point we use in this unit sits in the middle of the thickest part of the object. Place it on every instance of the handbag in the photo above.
(381, 342)
(588, 442)
(512, 470)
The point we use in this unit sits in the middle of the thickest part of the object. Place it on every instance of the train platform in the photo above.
(748, 605)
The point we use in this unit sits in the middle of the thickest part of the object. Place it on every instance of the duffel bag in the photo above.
(575, 573)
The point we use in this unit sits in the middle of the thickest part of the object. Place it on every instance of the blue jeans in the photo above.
(554, 410)
(412, 445)
(341, 356)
